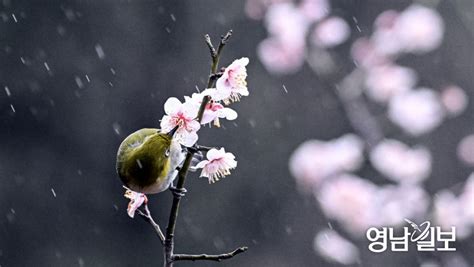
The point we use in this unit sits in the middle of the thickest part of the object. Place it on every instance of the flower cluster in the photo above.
(305, 30)
(230, 87)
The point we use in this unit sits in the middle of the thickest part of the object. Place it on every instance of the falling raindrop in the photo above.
(79, 82)
(117, 128)
(7, 91)
(14, 18)
(54, 192)
(173, 18)
(100, 51)
(13, 108)
(284, 88)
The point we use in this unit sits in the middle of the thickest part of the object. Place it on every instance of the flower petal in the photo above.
(172, 105)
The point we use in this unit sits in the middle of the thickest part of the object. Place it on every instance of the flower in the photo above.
(182, 115)
(218, 164)
(454, 100)
(136, 200)
(315, 160)
(314, 10)
(401, 163)
(329, 244)
(232, 84)
(419, 29)
(213, 110)
(385, 81)
(416, 111)
(465, 150)
(351, 201)
(450, 211)
(279, 57)
(331, 32)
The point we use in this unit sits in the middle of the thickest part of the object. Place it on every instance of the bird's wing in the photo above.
(130, 143)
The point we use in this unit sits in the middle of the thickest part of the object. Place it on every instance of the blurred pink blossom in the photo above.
(385, 81)
(416, 111)
(330, 32)
(329, 244)
(285, 22)
(316, 160)
(350, 200)
(395, 203)
(218, 164)
(256, 9)
(401, 163)
(281, 58)
(182, 115)
(467, 199)
(454, 100)
(420, 29)
(385, 37)
(465, 150)
(365, 54)
(450, 211)
(314, 10)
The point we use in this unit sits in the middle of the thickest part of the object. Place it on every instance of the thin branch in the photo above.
(220, 257)
(147, 217)
(215, 55)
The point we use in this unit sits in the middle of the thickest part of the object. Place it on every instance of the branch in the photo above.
(148, 218)
(215, 55)
(183, 172)
(220, 257)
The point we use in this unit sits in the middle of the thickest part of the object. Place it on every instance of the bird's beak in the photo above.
(173, 131)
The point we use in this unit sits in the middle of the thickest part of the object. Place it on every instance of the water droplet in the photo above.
(100, 51)
(7, 91)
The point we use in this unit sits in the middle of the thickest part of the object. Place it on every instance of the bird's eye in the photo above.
(167, 152)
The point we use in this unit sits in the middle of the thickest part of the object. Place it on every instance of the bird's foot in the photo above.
(178, 192)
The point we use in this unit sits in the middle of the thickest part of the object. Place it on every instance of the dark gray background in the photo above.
(64, 138)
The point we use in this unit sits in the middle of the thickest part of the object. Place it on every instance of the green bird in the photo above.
(147, 160)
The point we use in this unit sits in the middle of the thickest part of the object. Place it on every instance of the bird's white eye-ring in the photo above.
(167, 152)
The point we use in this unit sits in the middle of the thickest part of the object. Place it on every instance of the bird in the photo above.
(148, 160)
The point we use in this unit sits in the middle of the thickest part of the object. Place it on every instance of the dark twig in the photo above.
(220, 257)
(215, 55)
(147, 217)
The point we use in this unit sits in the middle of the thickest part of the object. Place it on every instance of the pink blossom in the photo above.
(454, 100)
(218, 164)
(285, 22)
(385, 81)
(401, 163)
(329, 244)
(365, 53)
(213, 110)
(281, 58)
(136, 200)
(256, 9)
(449, 211)
(232, 84)
(419, 29)
(467, 199)
(314, 10)
(417, 111)
(316, 160)
(385, 38)
(182, 115)
(465, 150)
(395, 203)
(350, 200)
(330, 32)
